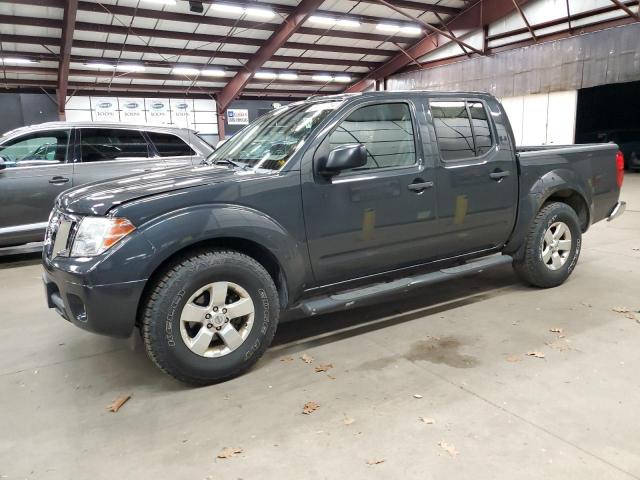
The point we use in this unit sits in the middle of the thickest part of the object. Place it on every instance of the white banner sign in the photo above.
(104, 109)
(132, 110)
(182, 113)
(238, 116)
(158, 111)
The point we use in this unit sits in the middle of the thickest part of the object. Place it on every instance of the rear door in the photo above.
(106, 152)
(476, 175)
(375, 218)
(173, 150)
(36, 170)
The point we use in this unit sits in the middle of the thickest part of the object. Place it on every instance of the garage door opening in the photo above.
(611, 113)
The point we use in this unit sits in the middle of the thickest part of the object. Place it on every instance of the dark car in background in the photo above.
(627, 140)
(39, 162)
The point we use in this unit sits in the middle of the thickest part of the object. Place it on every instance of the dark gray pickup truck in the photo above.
(321, 205)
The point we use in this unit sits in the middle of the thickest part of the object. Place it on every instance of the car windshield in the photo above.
(270, 141)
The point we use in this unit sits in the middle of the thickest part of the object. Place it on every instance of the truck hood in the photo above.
(100, 197)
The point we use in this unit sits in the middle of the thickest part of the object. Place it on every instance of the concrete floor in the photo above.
(461, 346)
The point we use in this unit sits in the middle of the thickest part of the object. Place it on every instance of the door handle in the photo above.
(419, 186)
(57, 180)
(499, 174)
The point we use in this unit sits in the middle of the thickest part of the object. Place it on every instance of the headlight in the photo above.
(97, 234)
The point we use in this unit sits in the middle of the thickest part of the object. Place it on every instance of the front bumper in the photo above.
(105, 309)
(617, 211)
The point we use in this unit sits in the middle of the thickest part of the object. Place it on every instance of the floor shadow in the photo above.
(17, 260)
(298, 333)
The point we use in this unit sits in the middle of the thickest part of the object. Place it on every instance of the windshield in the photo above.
(270, 141)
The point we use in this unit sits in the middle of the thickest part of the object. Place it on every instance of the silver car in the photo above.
(39, 162)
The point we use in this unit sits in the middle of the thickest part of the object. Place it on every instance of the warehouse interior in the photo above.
(479, 376)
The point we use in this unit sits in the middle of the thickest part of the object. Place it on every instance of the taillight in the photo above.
(619, 168)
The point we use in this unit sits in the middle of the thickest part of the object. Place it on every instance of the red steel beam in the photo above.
(266, 52)
(68, 26)
(481, 13)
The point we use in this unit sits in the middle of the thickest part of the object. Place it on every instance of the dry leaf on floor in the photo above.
(620, 309)
(286, 359)
(331, 377)
(306, 358)
(450, 449)
(118, 403)
(324, 367)
(229, 452)
(417, 395)
(310, 407)
(536, 354)
(630, 316)
(349, 420)
(375, 461)
(513, 358)
(556, 330)
(427, 420)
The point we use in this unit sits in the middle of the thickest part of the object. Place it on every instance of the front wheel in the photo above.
(210, 316)
(552, 246)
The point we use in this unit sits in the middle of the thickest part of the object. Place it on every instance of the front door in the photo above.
(33, 171)
(106, 153)
(378, 217)
(476, 177)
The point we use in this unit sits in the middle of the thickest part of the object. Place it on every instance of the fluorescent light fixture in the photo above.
(226, 8)
(322, 19)
(259, 12)
(100, 66)
(185, 71)
(265, 75)
(129, 67)
(348, 22)
(342, 78)
(288, 76)
(162, 2)
(411, 30)
(17, 61)
(388, 27)
(213, 72)
(322, 77)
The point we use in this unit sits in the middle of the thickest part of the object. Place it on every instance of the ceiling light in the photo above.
(225, 8)
(322, 20)
(100, 66)
(162, 2)
(347, 22)
(411, 30)
(387, 27)
(130, 68)
(259, 12)
(288, 76)
(322, 77)
(185, 71)
(342, 78)
(18, 61)
(213, 72)
(265, 75)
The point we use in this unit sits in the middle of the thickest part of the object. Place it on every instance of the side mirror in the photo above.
(343, 157)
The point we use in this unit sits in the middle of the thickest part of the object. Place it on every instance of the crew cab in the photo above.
(320, 205)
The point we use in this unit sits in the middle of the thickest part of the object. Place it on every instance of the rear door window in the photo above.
(100, 144)
(169, 145)
(462, 128)
(34, 149)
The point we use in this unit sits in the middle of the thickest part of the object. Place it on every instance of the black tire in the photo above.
(160, 322)
(530, 265)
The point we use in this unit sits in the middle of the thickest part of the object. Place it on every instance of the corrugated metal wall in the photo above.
(599, 58)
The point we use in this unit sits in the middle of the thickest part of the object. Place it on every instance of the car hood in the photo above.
(98, 198)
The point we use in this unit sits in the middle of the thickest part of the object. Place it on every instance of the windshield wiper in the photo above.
(228, 161)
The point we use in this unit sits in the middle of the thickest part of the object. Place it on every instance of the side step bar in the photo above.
(373, 293)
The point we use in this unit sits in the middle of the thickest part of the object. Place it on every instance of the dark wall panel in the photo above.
(20, 109)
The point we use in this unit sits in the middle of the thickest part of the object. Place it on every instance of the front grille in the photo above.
(59, 235)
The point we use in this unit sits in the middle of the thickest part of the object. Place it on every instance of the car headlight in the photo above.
(97, 234)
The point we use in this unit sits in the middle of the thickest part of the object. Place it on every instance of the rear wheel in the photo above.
(552, 246)
(210, 317)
